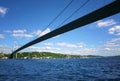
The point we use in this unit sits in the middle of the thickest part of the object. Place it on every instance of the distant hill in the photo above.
(44, 55)
(117, 56)
(39, 55)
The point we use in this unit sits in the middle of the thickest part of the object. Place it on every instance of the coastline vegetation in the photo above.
(44, 55)
(47, 55)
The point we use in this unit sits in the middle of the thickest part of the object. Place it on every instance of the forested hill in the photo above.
(42, 55)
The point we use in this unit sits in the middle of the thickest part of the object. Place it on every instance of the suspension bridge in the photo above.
(106, 11)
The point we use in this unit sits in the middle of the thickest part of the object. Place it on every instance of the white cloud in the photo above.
(56, 48)
(77, 51)
(41, 33)
(21, 35)
(24, 33)
(108, 49)
(3, 11)
(115, 40)
(1, 36)
(65, 48)
(16, 31)
(114, 30)
(48, 48)
(118, 49)
(48, 44)
(45, 32)
(67, 45)
(102, 23)
(19, 31)
(34, 47)
(44, 49)
(81, 44)
(111, 48)
(88, 51)
(38, 32)
(112, 44)
(69, 48)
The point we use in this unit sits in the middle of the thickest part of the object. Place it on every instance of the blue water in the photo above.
(90, 69)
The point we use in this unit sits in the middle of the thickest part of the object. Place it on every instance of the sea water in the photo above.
(81, 69)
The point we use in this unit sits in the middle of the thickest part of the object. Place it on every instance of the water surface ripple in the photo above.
(90, 69)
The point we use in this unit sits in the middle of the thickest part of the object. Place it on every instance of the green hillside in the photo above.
(45, 55)
(39, 55)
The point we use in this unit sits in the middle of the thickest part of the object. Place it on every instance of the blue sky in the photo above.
(24, 20)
